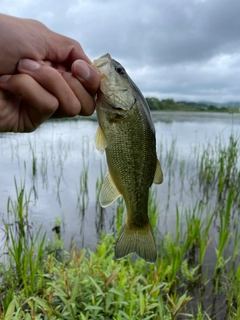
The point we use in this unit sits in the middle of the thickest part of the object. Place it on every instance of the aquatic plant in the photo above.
(203, 197)
(24, 247)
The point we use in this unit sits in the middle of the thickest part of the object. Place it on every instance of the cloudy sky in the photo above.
(180, 49)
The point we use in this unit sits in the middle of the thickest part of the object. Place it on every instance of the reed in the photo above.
(24, 247)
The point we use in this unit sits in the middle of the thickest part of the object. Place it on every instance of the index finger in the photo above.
(64, 50)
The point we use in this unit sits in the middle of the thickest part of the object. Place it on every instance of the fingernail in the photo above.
(5, 78)
(27, 64)
(82, 70)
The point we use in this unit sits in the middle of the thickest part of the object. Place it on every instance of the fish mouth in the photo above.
(102, 61)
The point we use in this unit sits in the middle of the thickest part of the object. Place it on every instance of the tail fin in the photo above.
(136, 240)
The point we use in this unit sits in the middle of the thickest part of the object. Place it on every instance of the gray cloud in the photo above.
(182, 49)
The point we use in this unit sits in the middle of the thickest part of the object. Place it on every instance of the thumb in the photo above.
(87, 75)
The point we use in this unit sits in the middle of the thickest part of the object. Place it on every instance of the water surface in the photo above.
(65, 149)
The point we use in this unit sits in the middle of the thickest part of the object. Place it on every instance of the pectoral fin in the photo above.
(100, 140)
(109, 192)
(158, 178)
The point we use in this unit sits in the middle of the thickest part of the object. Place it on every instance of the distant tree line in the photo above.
(171, 105)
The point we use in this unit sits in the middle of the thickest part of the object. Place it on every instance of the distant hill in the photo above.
(171, 105)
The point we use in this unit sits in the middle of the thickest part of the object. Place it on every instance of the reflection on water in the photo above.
(64, 171)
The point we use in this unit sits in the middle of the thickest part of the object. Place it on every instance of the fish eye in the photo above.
(120, 70)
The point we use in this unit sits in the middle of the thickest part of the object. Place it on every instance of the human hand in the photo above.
(39, 71)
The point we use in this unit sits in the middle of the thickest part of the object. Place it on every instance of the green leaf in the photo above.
(59, 290)
(93, 308)
(75, 291)
(119, 293)
(10, 310)
(83, 316)
(96, 285)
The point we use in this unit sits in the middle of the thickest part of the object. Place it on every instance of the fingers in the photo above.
(86, 100)
(75, 97)
(53, 82)
(87, 75)
(84, 90)
(27, 103)
(63, 50)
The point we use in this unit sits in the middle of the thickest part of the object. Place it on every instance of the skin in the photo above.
(42, 75)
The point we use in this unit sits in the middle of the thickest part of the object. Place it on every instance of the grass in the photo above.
(39, 283)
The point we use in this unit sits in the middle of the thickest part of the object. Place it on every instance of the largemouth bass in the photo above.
(127, 134)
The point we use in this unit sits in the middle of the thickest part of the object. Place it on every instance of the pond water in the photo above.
(60, 169)
(52, 161)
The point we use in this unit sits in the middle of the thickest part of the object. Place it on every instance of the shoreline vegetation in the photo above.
(171, 105)
(39, 279)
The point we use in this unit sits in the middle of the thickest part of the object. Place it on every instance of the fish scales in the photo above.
(127, 134)
(137, 160)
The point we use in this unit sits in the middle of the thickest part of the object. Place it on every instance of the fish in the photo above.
(126, 133)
